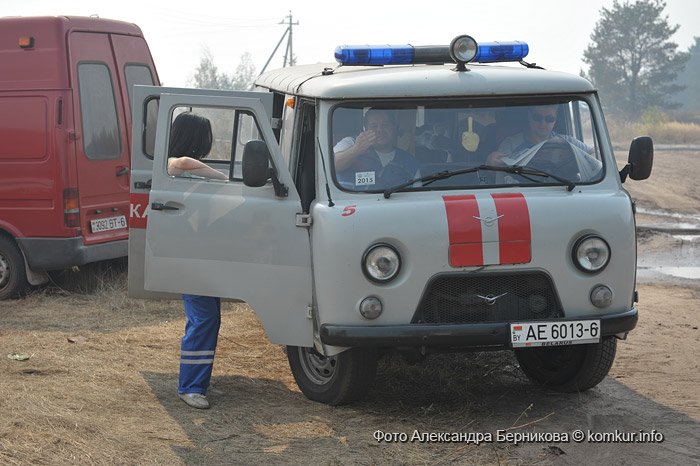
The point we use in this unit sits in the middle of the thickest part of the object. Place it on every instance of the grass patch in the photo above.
(94, 278)
(670, 132)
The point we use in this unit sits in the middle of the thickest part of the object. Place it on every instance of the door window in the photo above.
(101, 135)
(231, 130)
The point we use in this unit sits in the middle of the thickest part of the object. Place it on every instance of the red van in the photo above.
(65, 129)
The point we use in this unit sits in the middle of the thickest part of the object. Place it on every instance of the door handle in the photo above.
(142, 185)
(123, 171)
(159, 206)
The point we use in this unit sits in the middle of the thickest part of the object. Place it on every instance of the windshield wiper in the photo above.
(515, 169)
(430, 178)
(520, 170)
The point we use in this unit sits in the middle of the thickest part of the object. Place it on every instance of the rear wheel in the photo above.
(13, 277)
(572, 368)
(333, 380)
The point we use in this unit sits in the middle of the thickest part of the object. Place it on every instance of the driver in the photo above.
(372, 160)
(540, 128)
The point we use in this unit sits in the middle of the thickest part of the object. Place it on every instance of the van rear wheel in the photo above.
(13, 277)
(572, 368)
(333, 380)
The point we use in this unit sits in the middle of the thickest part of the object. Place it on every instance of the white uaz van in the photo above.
(405, 198)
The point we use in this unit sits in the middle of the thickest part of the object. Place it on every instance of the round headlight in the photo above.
(463, 49)
(381, 263)
(591, 254)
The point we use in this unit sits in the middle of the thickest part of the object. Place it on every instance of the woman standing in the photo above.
(190, 140)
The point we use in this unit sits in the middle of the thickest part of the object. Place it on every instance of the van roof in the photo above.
(44, 66)
(402, 81)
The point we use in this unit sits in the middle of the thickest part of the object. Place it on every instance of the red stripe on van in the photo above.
(464, 231)
(138, 216)
(513, 228)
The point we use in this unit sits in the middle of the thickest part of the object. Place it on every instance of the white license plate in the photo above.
(107, 224)
(577, 332)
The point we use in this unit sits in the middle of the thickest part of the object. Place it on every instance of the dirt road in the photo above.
(111, 399)
(99, 388)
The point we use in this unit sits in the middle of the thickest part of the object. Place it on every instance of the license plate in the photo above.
(577, 332)
(107, 224)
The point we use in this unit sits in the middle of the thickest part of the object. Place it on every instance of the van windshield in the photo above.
(380, 147)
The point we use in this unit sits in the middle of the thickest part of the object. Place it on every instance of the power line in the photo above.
(289, 51)
(292, 60)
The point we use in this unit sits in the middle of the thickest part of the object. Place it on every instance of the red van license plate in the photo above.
(107, 224)
(578, 332)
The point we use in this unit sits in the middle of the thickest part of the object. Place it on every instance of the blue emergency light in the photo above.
(490, 52)
(463, 49)
(374, 54)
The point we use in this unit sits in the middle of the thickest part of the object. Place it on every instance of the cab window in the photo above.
(379, 147)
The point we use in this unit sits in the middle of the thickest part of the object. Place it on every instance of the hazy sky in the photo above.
(177, 31)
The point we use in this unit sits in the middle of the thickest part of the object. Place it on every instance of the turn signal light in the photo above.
(26, 42)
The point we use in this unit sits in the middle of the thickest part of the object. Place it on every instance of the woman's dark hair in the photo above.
(190, 136)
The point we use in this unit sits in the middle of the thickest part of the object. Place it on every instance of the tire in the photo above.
(13, 277)
(335, 380)
(574, 368)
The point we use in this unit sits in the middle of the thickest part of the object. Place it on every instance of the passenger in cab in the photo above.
(372, 160)
(540, 128)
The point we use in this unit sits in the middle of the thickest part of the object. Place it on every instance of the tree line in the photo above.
(208, 76)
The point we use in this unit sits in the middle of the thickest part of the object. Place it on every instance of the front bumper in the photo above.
(486, 335)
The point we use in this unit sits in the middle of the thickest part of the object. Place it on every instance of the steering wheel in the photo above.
(556, 159)
(400, 171)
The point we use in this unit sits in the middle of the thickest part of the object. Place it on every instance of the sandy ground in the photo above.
(99, 387)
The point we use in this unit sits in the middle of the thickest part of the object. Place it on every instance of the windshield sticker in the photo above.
(364, 178)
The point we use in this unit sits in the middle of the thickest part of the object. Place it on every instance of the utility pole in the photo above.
(288, 52)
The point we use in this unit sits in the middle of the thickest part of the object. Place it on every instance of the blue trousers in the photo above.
(199, 342)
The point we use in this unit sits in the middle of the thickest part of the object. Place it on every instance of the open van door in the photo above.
(226, 239)
(144, 114)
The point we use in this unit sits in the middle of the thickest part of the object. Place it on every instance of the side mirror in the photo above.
(256, 163)
(640, 159)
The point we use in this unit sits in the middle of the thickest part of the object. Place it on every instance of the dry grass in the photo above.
(111, 400)
(672, 132)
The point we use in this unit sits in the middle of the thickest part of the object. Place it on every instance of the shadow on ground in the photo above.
(262, 421)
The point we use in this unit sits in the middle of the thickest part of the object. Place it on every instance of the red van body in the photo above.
(65, 129)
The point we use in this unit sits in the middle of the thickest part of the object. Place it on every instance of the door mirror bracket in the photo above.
(280, 189)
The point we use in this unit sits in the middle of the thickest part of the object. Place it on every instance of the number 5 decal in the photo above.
(348, 210)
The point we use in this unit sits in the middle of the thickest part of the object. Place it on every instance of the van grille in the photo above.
(488, 298)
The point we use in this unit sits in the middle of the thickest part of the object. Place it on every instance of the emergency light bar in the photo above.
(490, 52)
(463, 49)
(354, 55)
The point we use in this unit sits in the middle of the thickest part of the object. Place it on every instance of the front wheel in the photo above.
(13, 277)
(333, 380)
(572, 368)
